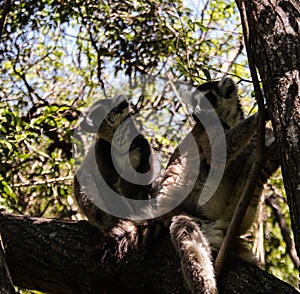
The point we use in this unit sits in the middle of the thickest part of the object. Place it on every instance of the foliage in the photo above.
(55, 56)
(278, 261)
(36, 161)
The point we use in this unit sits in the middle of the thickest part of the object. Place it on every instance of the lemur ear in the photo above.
(122, 102)
(228, 88)
(96, 115)
(119, 99)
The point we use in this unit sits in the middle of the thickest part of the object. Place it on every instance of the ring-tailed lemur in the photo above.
(110, 149)
(197, 231)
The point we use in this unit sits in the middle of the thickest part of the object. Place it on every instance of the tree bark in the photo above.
(56, 256)
(6, 286)
(274, 28)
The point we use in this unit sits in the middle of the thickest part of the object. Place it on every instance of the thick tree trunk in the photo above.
(56, 256)
(274, 32)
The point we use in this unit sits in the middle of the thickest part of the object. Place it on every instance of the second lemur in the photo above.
(197, 229)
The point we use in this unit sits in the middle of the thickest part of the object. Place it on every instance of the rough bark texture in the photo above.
(6, 286)
(274, 27)
(56, 256)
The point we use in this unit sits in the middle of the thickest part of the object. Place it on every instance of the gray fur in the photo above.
(198, 230)
(104, 118)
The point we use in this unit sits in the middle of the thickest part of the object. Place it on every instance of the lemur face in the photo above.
(223, 97)
(118, 114)
(216, 93)
(105, 116)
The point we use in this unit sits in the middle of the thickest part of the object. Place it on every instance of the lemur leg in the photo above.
(194, 252)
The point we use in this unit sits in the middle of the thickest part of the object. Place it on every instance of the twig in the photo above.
(96, 48)
(233, 55)
(257, 165)
(258, 243)
(43, 182)
(180, 101)
(272, 201)
(4, 12)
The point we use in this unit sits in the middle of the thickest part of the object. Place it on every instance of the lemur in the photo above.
(117, 139)
(197, 230)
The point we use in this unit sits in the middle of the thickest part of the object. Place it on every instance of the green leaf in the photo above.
(206, 73)
(9, 191)
(201, 26)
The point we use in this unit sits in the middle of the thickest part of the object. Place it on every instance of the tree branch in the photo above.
(274, 27)
(232, 56)
(273, 203)
(6, 286)
(73, 257)
(260, 155)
